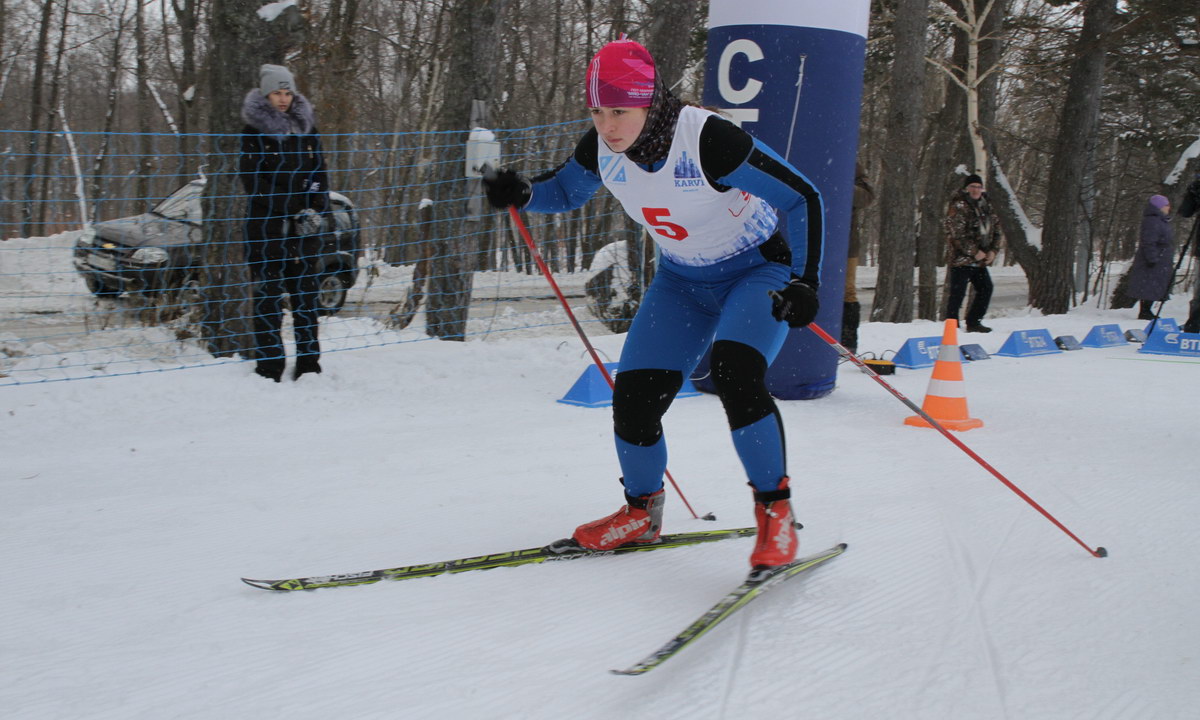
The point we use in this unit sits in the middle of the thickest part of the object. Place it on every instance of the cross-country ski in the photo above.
(758, 582)
(565, 549)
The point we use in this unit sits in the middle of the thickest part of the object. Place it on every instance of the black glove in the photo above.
(506, 188)
(796, 303)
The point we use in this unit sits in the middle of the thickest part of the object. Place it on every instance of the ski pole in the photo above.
(1098, 552)
(537, 256)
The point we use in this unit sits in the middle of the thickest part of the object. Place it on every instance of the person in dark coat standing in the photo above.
(1150, 274)
(972, 233)
(864, 195)
(283, 172)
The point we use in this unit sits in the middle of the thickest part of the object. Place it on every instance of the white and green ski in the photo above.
(756, 584)
(566, 549)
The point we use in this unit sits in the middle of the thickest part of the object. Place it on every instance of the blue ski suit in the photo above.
(720, 300)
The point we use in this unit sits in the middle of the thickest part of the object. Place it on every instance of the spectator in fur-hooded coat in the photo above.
(283, 172)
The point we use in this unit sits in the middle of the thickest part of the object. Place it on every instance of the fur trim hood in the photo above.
(259, 114)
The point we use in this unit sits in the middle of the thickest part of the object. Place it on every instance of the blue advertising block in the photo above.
(1162, 325)
(592, 390)
(1067, 342)
(1024, 343)
(1172, 343)
(1105, 336)
(918, 352)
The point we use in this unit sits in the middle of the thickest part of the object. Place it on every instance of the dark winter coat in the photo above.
(970, 226)
(1151, 270)
(864, 195)
(281, 166)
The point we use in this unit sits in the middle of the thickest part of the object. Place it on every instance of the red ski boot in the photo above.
(776, 543)
(640, 521)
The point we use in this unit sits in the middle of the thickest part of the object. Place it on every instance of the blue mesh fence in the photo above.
(124, 253)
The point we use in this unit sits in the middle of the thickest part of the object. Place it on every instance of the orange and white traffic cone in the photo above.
(946, 397)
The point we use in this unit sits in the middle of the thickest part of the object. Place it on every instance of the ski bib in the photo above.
(692, 222)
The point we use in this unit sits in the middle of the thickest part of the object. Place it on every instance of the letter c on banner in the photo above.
(748, 91)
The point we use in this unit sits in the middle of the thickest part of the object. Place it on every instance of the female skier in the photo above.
(730, 275)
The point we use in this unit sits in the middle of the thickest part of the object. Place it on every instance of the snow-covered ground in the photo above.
(132, 505)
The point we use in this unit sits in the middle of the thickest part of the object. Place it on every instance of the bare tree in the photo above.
(37, 113)
(894, 289)
(187, 17)
(240, 42)
(470, 78)
(666, 40)
(142, 109)
(973, 23)
(968, 106)
(1048, 263)
(331, 63)
(116, 16)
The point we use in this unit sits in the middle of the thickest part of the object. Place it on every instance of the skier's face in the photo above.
(619, 127)
(281, 100)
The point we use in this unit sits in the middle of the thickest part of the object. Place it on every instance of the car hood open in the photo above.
(145, 230)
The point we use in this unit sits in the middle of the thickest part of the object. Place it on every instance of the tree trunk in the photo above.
(332, 67)
(101, 160)
(142, 109)
(667, 38)
(1050, 281)
(945, 132)
(969, 109)
(36, 113)
(471, 76)
(239, 43)
(46, 189)
(899, 172)
(188, 16)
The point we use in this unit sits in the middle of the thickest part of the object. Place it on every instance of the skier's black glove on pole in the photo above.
(506, 188)
(797, 303)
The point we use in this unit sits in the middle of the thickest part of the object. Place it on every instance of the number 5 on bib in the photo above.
(655, 218)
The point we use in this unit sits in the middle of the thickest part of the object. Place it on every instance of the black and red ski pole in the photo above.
(537, 256)
(1097, 552)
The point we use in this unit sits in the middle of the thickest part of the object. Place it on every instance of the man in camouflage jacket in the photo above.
(972, 240)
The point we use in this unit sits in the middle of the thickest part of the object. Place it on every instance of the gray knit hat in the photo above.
(275, 77)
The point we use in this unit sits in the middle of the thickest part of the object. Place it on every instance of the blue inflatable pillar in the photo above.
(791, 74)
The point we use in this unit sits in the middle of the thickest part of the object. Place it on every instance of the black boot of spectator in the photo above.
(271, 368)
(850, 318)
(306, 364)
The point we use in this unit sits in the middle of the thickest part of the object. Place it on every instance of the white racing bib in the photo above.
(692, 222)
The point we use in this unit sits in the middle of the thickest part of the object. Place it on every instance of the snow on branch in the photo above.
(272, 10)
(162, 107)
(1191, 153)
(1033, 233)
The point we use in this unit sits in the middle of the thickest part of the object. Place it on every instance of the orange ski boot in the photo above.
(640, 521)
(776, 543)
